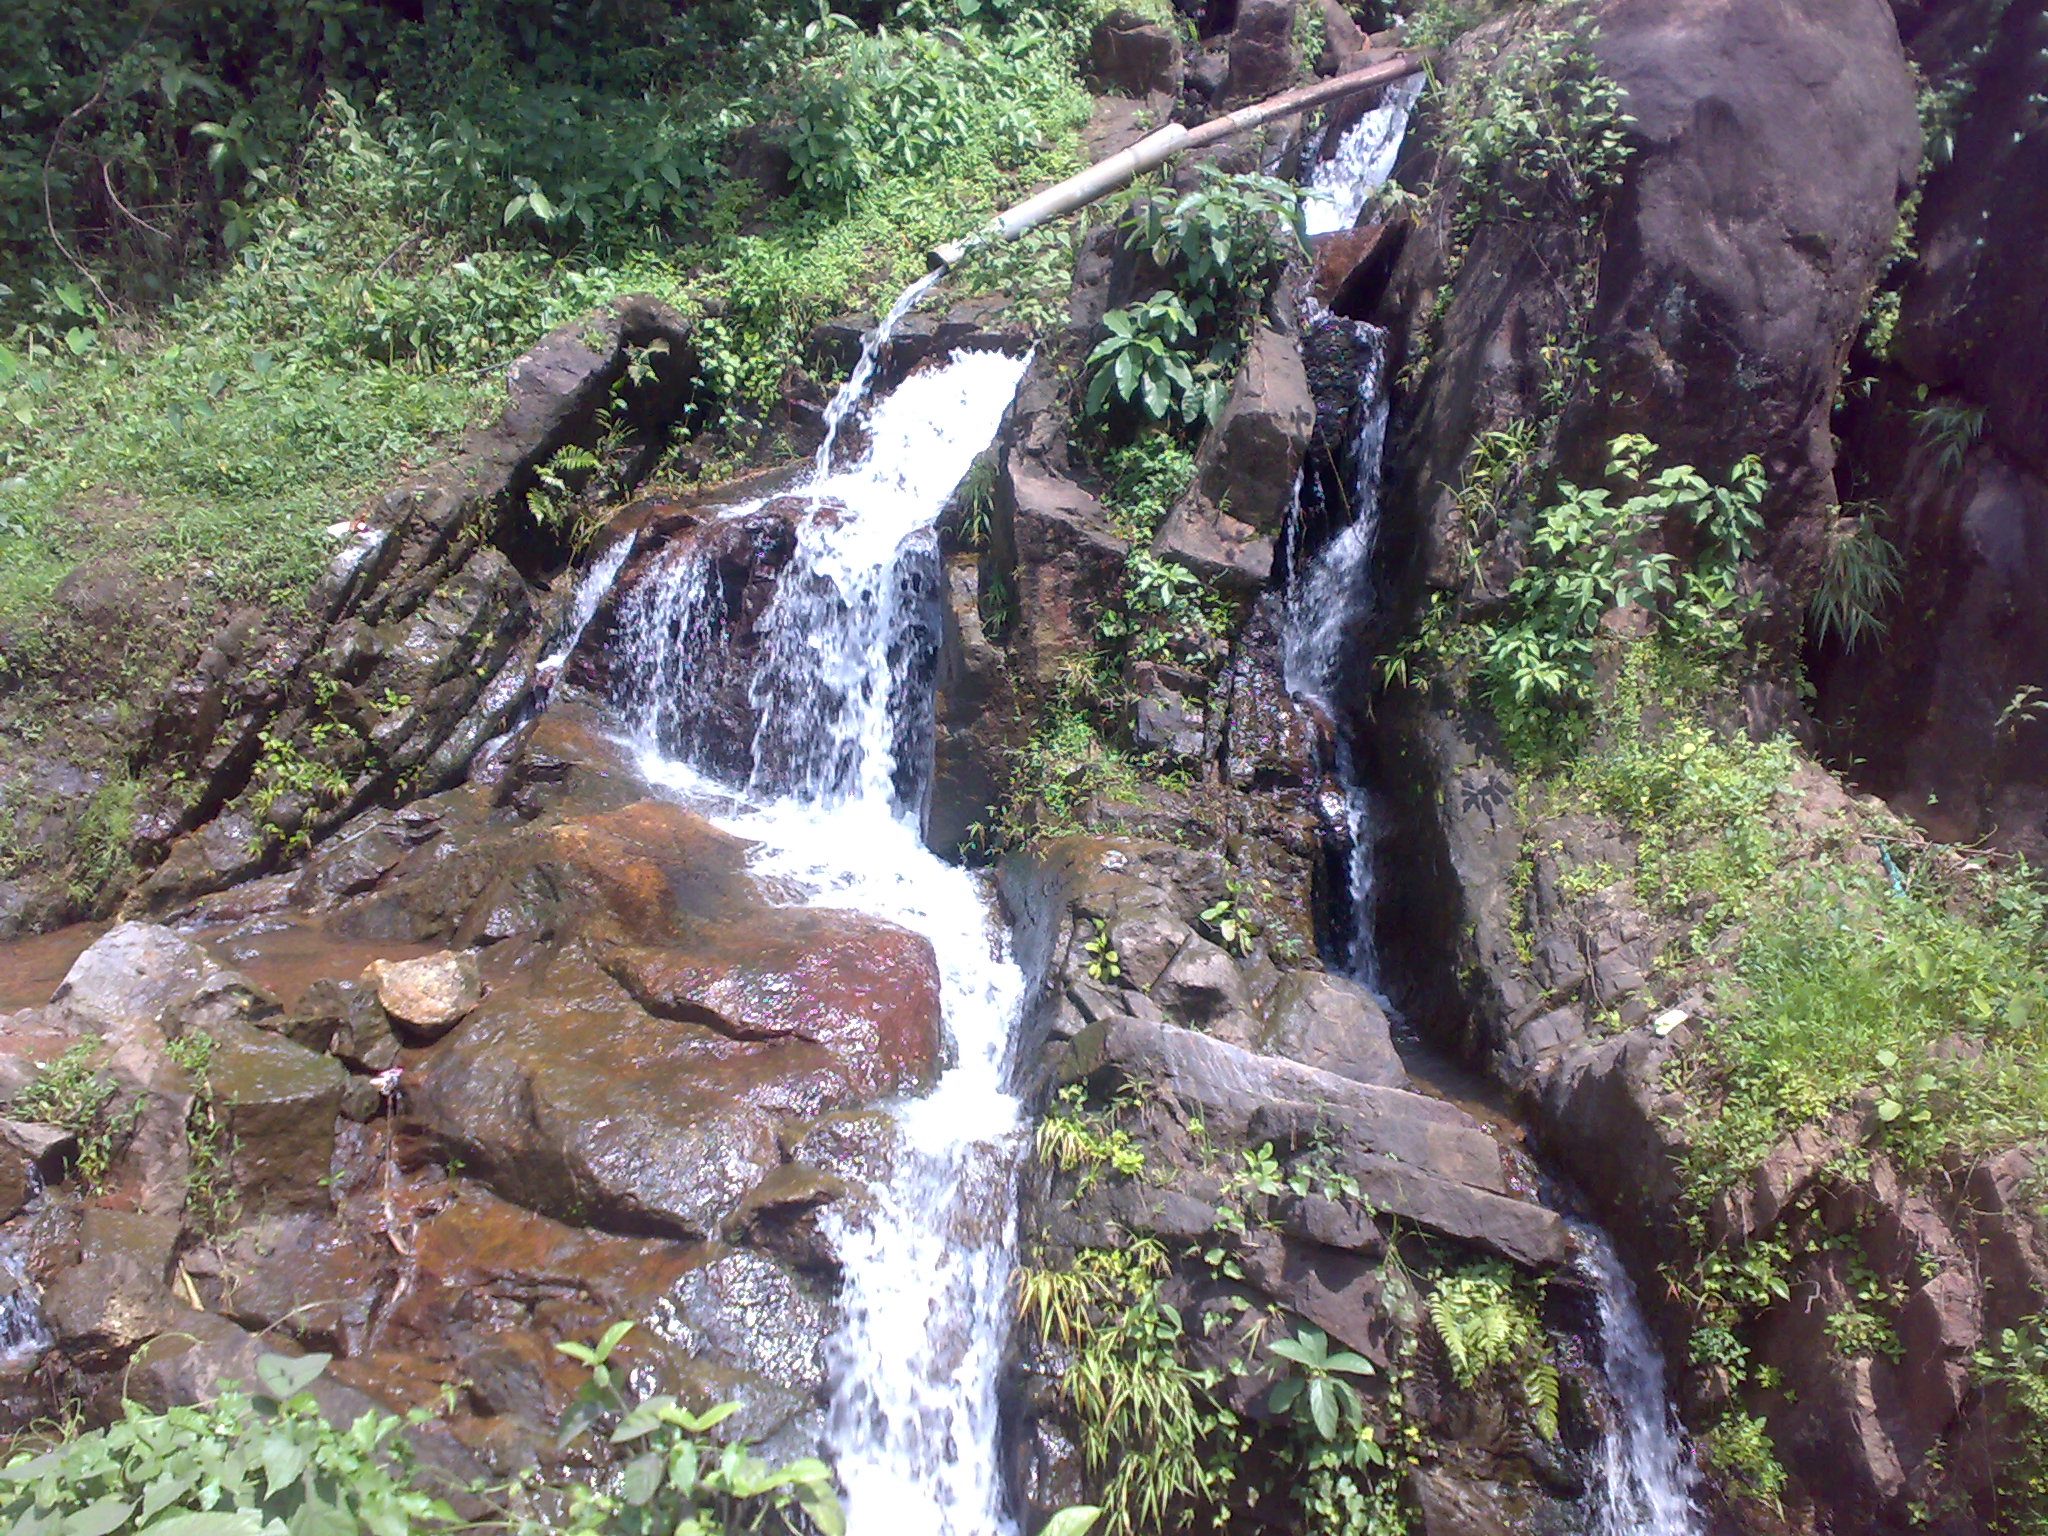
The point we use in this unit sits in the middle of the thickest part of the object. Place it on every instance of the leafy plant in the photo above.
(1859, 577)
(1145, 477)
(1740, 1445)
(73, 1094)
(244, 1463)
(1592, 553)
(1538, 131)
(1486, 1327)
(1149, 362)
(1230, 922)
(1224, 242)
(1950, 430)
(1104, 963)
(209, 1180)
(1072, 1139)
(1146, 1417)
(1317, 1392)
(2015, 1364)
(676, 1480)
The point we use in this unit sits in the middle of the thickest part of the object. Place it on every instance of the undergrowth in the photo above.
(1866, 965)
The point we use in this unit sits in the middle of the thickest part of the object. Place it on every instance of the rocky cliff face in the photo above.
(1948, 442)
(1731, 274)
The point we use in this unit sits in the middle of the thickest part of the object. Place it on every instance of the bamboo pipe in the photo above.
(1161, 145)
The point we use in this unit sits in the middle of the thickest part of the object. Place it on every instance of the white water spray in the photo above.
(1340, 186)
(591, 589)
(842, 693)
(1643, 1476)
(855, 389)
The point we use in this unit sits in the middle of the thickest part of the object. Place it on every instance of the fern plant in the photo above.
(1489, 1330)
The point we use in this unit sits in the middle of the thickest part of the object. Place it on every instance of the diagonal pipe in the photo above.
(1155, 149)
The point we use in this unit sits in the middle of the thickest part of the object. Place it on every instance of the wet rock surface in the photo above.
(576, 1091)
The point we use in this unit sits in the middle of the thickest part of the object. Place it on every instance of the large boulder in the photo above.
(1952, 446)
(1131, 56)
(1262, 57)
(1416, 1157)
(277, 1104)
(1245, 471)
(1774, 145)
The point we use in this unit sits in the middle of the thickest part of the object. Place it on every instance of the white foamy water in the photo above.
(1643, 1478)
(591, 587)
(1340, 187)
(840, 760)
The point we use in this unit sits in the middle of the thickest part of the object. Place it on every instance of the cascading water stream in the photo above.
(1340, 185)
(843, 695)
(1643, 1478)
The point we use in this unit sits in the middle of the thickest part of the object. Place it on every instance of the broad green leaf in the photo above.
(642, 1479)
(283, 1460)
(100, 1518)
(238, 1522)
(1075, 1520)
(1322, 1407)
(284, 1376)
(822, 1505)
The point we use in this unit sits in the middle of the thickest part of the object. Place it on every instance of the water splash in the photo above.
(855, 389)
(1643, 1478)
(24, 1336)
(1340, 186)
(840, 760)
(591, 589)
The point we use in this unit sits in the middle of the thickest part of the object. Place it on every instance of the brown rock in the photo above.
(428, 996)
(1353, 265)
(1262, 61)
(278, 1103)
(1130, 56)
(1247, 463)
(1333, 1025)
(118, 1293)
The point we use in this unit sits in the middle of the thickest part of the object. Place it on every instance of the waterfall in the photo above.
(855, 389)
(842, 694)
(591, 589)
(24, 1336)
(1643, 1478)
(1340, 185)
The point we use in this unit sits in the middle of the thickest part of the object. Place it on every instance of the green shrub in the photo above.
(1537, 131)
(1489, 1328)
(1169, 358)
(1740, 1445)
(229, 1468)
(1591, 553)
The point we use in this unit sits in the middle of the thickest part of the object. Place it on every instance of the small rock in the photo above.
(345, 1019)
(29, 1155)
(430, 995)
